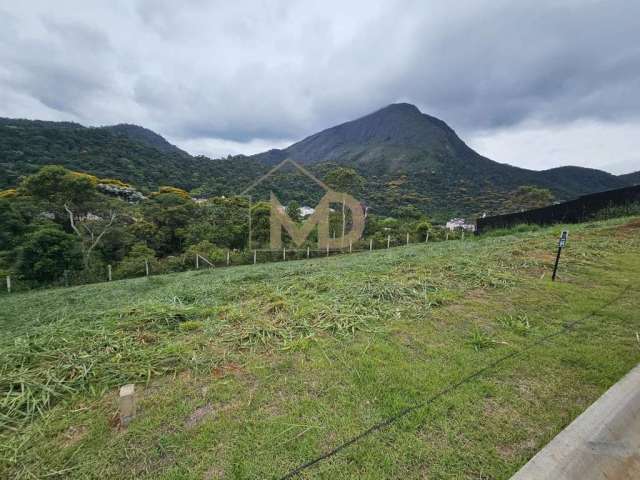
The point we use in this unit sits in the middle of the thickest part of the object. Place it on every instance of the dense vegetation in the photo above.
(65, 226)
(249, 372)
(112, 152)
(404, 157)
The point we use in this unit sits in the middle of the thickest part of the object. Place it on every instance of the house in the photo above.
(306, 211)
(460, 224)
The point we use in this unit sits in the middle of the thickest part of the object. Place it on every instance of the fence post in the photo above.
(307, 252)
(407, 238)
(371, 244)
(228, 257)
(254, 257)
(447, 237)
(327, 250)
(388, 240)
(197, 261)
(146, 267)
(284, 253)
(109, 272)
(426, 240)
(8, 283)
(350, 247)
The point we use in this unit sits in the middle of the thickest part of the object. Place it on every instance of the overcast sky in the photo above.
(536, 84)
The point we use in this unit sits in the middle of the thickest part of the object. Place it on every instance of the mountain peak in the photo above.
(399, 108)
(396, 126)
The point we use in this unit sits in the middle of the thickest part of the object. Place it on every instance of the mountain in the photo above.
(411, 157)
(632, 178)
(128, 152)
(404, 156)
(146, 137)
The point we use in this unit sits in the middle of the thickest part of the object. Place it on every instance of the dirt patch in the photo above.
(199, 413)
(73, 435)
(628, 229)
(228, 369)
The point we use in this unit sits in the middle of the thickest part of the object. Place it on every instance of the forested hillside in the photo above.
(397, 157)
(124, 152)
(633, 178)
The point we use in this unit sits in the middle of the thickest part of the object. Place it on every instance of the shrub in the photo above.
(47, 254)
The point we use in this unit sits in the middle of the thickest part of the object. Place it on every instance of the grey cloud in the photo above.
(240, 71)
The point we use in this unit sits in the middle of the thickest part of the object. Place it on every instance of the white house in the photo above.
(460, 224)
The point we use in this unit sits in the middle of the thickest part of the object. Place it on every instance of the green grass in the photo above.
(248, 372)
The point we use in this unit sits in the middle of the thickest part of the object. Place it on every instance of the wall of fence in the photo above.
(232, 258)
(575, 211)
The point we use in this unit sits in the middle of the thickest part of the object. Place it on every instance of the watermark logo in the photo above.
(279, 220)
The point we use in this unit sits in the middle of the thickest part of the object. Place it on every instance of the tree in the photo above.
(422, 228)
(343, 179)
(171, 214)
(12, 225)
(529, 197)
(47, 254)
(134, 263)
(89, 229)
(293, 211)
(58, 186)
(260, 223)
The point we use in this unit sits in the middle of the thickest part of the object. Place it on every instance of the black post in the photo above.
(555, 267)
(561, 244)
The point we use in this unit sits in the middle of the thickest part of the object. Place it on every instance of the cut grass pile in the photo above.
(251, 371)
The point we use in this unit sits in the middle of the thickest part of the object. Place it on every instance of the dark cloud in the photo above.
(253, 72)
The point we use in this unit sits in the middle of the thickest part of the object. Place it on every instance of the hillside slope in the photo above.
(126, 152)
(400, 140)
(633, 178)
(404, 156)
(146, 137)
(249, 372)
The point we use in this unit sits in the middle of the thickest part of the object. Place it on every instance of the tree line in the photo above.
(58, 223)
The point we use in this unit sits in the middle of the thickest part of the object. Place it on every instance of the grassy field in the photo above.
(249, 372)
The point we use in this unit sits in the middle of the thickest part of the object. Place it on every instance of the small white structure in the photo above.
(460, 224)
(306, 211)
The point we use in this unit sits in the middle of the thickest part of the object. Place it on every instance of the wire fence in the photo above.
(145, 267)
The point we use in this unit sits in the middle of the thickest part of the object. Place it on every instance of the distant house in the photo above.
(306, 211)
(460, 224)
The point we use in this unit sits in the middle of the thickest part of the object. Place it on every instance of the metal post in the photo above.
(9, 283)
(109, 272)
(327, 250)
(350, 247)
(426, 240)
(371, 245)
(562, 242)
(146, 267)
(228, 257)
(307, 252)
(407, 238)
(254, 257)
(197, 261)
(555, 267)
(388, 240)
(344, 224)
(284, 253)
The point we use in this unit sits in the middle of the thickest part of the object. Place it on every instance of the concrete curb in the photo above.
(601, 444)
